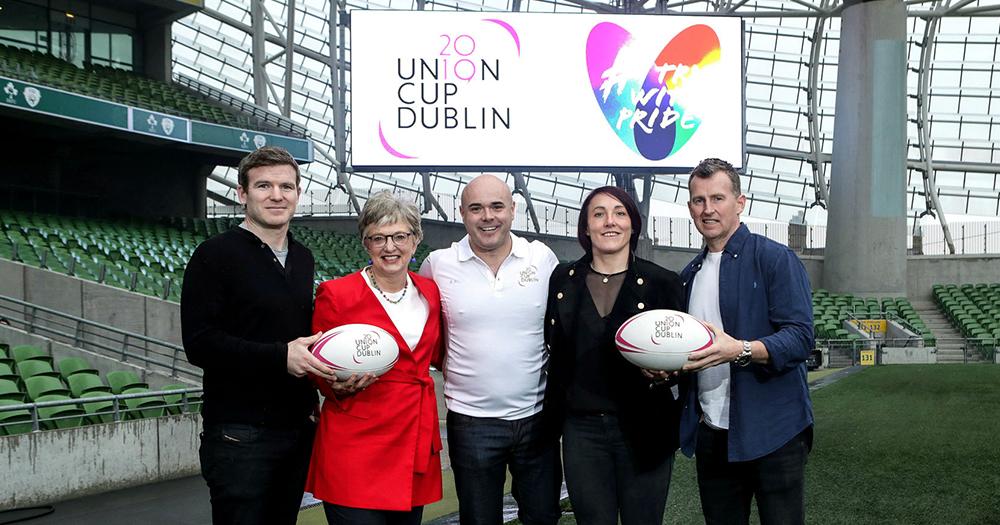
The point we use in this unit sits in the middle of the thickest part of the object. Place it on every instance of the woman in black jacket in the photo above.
(619, 427)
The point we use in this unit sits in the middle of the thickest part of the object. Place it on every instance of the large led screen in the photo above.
(549, 92)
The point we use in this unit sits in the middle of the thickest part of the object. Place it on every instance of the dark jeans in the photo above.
(602, 477)
(341, 515)
(777, 480)
(481, 450)
(255, 474)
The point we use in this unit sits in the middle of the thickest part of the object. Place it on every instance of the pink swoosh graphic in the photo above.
(711, 336)
(390, 149)
(624, 345)
(510, 29)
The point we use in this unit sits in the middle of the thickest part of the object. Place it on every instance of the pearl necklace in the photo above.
(371, 275)
(606, 275)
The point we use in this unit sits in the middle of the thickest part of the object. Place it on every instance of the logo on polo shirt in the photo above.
(528, 275)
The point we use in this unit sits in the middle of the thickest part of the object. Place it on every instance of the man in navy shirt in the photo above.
(747, 414)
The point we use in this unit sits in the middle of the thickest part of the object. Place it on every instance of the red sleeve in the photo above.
(325, 314)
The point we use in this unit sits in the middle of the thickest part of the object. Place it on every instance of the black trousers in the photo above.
(777, 480)
(255, 475)
(341, 515)
(605, 485)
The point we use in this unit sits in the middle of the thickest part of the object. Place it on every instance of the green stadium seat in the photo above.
(25, 352)
(123, 380)
(87, 382)
(73, 365)
(10, 391)
(194, 400)
(14, 422)
(35, 367)
(7, 372)
(42, 385)
(98, 411)
(69, 416)
(145, 407)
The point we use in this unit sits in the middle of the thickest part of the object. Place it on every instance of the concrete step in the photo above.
(950, 341)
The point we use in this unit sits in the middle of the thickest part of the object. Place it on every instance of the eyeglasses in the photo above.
(399, 239)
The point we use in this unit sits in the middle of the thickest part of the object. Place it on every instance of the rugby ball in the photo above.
(662, 339)
(357, 349)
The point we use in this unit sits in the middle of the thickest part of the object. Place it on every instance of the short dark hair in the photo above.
(630, 207)
(266, 156)
(706, 168)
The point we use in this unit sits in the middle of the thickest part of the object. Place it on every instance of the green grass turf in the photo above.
(900, 444)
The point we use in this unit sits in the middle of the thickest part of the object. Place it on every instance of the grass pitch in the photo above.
(900, 444)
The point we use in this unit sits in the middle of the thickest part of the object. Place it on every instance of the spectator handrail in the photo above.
(80, 332)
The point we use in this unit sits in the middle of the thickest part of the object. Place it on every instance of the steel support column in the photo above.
(289, 59)
(429, 199)
(522, 187)
(815, 131)
(926, 166)
(257, 43)
(338, 88)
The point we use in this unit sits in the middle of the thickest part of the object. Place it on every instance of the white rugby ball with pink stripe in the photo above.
(357, 349)
(662, 339)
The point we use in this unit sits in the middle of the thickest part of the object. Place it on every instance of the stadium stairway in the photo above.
(950, 342)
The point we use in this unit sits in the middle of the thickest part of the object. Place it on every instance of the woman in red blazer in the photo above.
(376, 459)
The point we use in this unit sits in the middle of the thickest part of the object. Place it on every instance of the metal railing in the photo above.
(905, 324)
(103, 339)
(117, 411)
(847, 352)
(860, 325)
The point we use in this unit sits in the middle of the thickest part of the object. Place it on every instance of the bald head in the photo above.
(488, 212)
(485, 188)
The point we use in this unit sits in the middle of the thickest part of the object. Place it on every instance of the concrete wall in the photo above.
(924, 271)
(103, 304)
(909, 356)
(45, 467)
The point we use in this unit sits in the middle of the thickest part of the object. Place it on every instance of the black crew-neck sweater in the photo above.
(239, 310)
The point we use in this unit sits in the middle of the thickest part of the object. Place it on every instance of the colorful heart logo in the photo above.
(645, 104)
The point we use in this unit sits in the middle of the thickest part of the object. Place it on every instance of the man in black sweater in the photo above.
(246, 316)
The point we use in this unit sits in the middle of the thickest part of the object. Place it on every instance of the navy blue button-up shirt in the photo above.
(764, 295)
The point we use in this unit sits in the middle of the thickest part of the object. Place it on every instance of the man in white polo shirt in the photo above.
(493, 294)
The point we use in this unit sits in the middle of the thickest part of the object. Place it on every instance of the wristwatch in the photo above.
(745, 357)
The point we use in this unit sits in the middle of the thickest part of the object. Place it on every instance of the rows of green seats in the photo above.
(975, 310)
(149, 255)
(109, 83)
(830, 310)
(29, 375)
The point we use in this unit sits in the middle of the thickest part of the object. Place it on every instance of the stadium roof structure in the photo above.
(953, 98)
